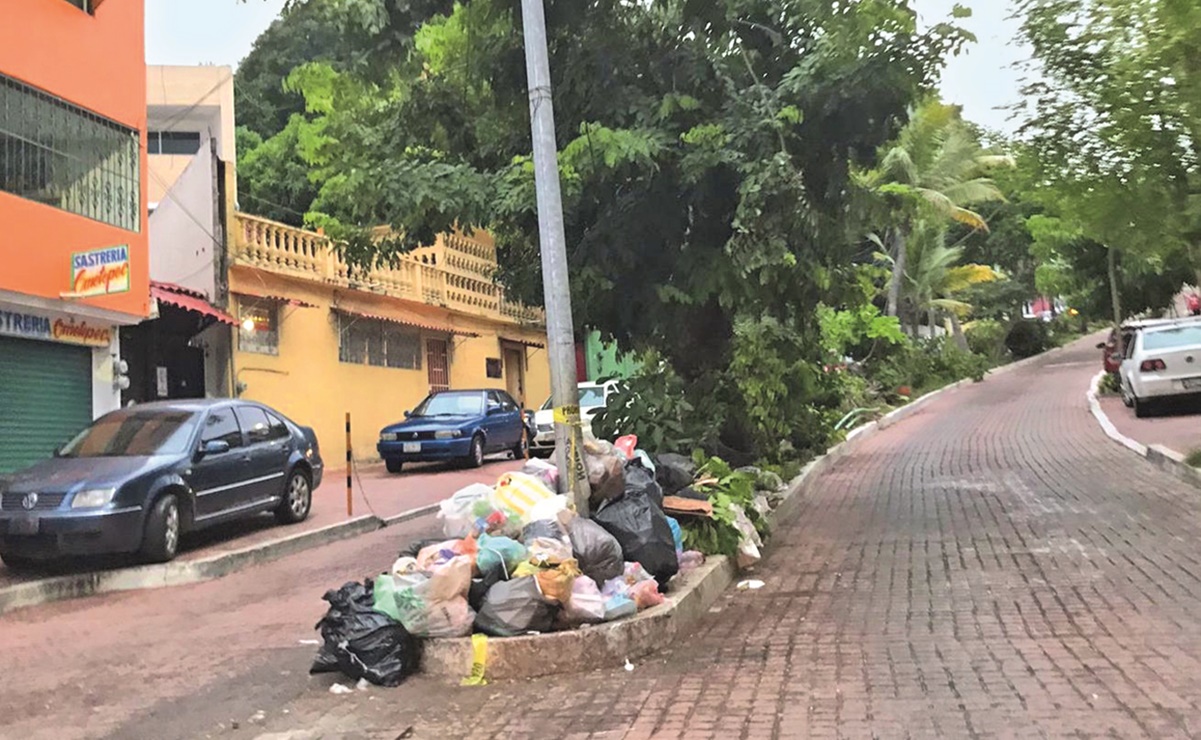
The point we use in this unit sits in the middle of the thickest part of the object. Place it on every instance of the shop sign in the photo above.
(100, 271)
(69, 330)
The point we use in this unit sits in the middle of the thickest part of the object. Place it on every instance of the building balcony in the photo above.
(455, 273)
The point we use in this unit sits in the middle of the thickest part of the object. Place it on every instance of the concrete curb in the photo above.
(180, 572)
(1168, 460)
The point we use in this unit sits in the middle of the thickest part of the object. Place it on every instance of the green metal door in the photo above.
(45, 398)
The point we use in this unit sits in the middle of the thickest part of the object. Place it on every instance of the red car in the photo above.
(1111, 353)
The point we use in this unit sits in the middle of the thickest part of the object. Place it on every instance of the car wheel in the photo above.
(1127, 396)
(522, 450)
(161, 539)
(475, 458)
(1142, 409)
(393, 465)
(16, 562)
(298, 499)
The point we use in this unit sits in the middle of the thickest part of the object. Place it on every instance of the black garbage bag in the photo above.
(365, 643)
(515, 607)
(548, 528)
(641, 529)
(480, 586)
(640, 480)
(674, 472)
(417, 546)
(325, 662)
(597, 551)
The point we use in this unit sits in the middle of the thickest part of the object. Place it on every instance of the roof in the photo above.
(1160, 323)
(189, 300)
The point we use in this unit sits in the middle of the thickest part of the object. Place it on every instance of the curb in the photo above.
(1168, 460)
(180, 572)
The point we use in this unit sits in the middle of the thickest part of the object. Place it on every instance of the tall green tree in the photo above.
(706, 153)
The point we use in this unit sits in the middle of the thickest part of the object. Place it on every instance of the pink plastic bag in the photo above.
(586, 603)
(626, 445)
(450, 580)
(646, 594)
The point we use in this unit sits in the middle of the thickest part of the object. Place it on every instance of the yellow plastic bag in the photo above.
(556, 583)
(518, 493)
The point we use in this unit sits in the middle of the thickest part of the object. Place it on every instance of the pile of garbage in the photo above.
(515, 559)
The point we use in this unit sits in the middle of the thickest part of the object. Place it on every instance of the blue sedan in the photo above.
(138, 478)
(456, 425)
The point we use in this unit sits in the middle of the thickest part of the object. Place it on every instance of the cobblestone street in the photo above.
(991, 567)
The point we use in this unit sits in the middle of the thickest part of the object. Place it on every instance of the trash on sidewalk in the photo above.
(364, 642)
(515, 607)
(681, 506)
(338, 688)
(479, 661)
(750, 585)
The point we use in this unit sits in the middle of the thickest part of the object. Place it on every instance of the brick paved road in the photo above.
(991, 567)
(1176, 425)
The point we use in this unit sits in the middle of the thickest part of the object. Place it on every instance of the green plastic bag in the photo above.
(384, 594)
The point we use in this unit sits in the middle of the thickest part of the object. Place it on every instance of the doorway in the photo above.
(436, 352)
(515, 374)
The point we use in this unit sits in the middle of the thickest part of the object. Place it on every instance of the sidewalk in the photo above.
(376, 492)
(1177, 427)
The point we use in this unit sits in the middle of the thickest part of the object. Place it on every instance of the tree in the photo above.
(935, 169)
(1112, 122)
(706, 151)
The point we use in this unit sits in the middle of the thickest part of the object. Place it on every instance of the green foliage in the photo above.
(927, 365)
(652, 403)
(1111, 385)
(1193, 458)
(1028, 338)
(986, 338)
(724, 486)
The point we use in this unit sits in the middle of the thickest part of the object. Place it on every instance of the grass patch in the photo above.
(1194, 458)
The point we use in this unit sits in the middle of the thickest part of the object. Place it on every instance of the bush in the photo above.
(1111, 384)
(926, 365)
(1028, 338)
(987, 337)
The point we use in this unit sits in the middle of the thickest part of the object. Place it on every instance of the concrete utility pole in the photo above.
(569, 454)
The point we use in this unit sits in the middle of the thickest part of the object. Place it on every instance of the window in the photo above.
(222, 426)
(506, 401)
(258, 330)
(494, 401)
(452, 403)
(64, 156)
(492, 367)
(1183, 336)
(279, 430)
(173, 142)
(380, 343)
(84, 5)
(134, 433)
(254, 421)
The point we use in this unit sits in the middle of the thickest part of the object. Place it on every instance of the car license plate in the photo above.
(23, 525)
(1191, 383)
(412, 447)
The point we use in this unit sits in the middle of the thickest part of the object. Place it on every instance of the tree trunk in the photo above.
(898, 271)
(957, 332)
(931, 319)
(1114, 294)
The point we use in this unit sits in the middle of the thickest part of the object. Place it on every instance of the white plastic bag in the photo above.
(455, 512)
(748, 546)
(586, 603)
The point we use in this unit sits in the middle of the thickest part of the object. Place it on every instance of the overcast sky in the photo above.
(222, 31)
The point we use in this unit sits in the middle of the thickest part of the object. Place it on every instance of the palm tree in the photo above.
(935, 278)
(934, 171)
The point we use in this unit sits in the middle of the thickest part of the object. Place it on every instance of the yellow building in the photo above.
(317, 340)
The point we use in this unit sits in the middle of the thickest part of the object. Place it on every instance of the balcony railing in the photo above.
(455, 273)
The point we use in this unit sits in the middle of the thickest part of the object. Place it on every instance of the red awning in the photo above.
(189, 300)
(415, 323)
(274, 298)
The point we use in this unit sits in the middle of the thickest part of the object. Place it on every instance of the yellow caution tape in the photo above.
(567, 415)
(479, 649)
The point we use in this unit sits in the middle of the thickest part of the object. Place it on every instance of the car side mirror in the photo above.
(213, 447)
(408, 414)
(1101, 345)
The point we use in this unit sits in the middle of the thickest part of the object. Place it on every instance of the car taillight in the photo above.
(1150, 366)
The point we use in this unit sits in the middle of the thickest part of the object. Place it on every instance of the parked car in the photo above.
(136, 479)
(1111, 352)
(456, 425)
(1162, 361)
(593, 398)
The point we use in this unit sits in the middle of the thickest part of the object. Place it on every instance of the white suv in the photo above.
(1162, 360)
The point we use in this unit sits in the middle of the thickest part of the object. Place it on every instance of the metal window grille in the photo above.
(380, 343)
(259, 328)
(64, 156)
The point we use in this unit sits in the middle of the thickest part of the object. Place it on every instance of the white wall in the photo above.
(184, 229)
(105, 396)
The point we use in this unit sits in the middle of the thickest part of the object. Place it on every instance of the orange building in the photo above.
(73, 209)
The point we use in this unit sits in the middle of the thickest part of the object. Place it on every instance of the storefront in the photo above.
(56, 375)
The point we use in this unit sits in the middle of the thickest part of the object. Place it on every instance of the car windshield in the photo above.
(1182, 336)
(134, 433)
(590, 396)
(451, 404)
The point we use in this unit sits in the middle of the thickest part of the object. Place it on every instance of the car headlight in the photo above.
(387, 437)
(451, 434)
(93, 498)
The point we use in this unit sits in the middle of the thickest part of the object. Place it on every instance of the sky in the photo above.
(222, 32)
